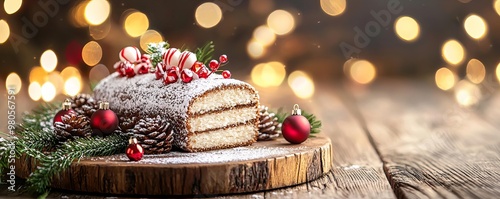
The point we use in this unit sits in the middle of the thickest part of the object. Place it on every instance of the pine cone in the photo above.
(154, 134)
(72, 126)
(84, 104)
(269, 127)
(127, 121)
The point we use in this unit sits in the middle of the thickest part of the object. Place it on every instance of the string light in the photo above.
(136, 23)
(445, 78)
(97, 11)
(496, 6)
(301, 84)
(12, 6)
(333, 7)
(407, 28)
(497, 72)
(362, 71)
(255, 49)
(264, 35)
(4, 31)
(475, 71)
(92, 53)
(97, 73)
(48, 91)
(48, 60)
(475, 26)
(453, 52)
(72, 86)
(208, 15)
(35, 91)
(150, 36)
(14, 82)
(69, 72)
(467, 94)
(281, 22)
(268, 74)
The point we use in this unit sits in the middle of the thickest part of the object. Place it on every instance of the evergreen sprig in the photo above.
(313, 120)
(61, 159)
(155, 51)
(205, 53)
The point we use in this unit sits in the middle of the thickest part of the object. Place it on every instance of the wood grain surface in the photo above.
(430, 146)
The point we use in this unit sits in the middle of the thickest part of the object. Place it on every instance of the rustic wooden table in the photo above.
(393, 139)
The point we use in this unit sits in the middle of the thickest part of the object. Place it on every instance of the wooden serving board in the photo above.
(264, 165)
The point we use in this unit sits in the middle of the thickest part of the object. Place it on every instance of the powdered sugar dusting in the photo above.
(209, 157)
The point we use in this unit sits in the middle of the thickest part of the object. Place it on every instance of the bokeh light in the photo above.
(362, 71)
(77, 14)
(497, 72)
(97, 11)
(150, 36)
(453, 52)
(136, 23)
(281, 22)
(475, 26)
(445, 78)
(100, 31)
(333, 7)
(268, 74)
(4, 31)
(467, 94)
(476, 71)
(69, 72)
(38, 74)
(255, 49)
(97, 73)
(48, 60)
(35, 91)
(92, 53)
(72, 86)
(56, 80)
(301, 84)
(407, 28)
(14, 82)
(496, 5)
(48, 91)
(12, 6)
(208, 15)
(264, 35)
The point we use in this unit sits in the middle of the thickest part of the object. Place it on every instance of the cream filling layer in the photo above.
(219, 99)
(221, 119)
(223, 138)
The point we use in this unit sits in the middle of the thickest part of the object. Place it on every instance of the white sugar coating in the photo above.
(208, 157)
(145, 96)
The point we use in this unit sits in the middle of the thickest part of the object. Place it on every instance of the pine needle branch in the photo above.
(155, 51)
(61, 159)
(205, 53)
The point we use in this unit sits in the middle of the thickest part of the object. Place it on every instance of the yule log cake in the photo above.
(211, 113)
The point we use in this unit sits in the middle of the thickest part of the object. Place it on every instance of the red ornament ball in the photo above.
(223, 59)
(104, 121)
(134, 152)
(214, 65)
(203, 72)
(296, 128)
(226, 74)
(66, 110)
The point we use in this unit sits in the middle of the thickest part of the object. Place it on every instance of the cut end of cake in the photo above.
(241, 135)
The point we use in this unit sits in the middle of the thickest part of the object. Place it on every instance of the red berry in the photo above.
(203, 72)
(187, 75)
(223, 59)
(142, 68)
(214, 64)
(197, 65)
(226, 74)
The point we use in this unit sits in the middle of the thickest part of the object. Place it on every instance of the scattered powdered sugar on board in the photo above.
(209, 157)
